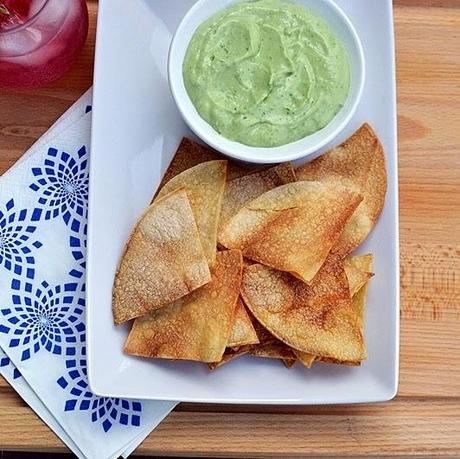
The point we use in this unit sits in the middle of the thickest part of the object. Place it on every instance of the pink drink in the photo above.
(39, 40)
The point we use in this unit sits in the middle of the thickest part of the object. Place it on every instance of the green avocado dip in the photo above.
(266, 72)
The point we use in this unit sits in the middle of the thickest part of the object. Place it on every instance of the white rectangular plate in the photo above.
(136, 129)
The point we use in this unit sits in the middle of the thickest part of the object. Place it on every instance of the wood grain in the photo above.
(425, 426)
(429, 165)
(425, 418)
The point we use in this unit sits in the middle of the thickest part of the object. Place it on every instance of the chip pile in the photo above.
(229, 260)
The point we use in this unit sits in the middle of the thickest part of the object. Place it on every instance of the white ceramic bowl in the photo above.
(341, 27)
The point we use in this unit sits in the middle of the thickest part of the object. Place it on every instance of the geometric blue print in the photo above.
(43, 240)
(77, 243)
(44, 317)
(102, 410)
(62, 185)
(7, 366)
(16, 232)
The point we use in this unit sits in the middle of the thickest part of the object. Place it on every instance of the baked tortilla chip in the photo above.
(355, 269)
(361, 264)
(190, 154)
(359, 304)
(356, 363)
(242, 190)
(205, 185)
(293, 227)
(163, 259)
(229, 355)
(304, 358)
(318, 319)
(289, 362)
(275, 350)
(242, 331)
(359, 161)
(269, 346)
(197, 326)
(265, 337)
(365, 263)
(248, 262)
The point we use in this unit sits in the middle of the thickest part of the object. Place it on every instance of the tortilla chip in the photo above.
(293, 227)
(318, 319)
(269, 346)
(359, 161)
(242, 331)
(361, 262)
(275, 350)
(197, 326)
(359, 299)
(355, 269)
(304, 358)
(240, 191)
(265, 337)
(205, 185)
(163, 259)
(229, 355)
(289, 362)
(248, 262)
(339, 362)
(190, 154)
(364, 264)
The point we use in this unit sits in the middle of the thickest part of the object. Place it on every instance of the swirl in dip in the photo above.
(266, 73)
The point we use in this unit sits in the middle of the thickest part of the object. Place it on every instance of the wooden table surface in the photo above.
(424, 419)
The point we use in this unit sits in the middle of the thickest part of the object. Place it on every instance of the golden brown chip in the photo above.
(304, 358)
(269, 346)
(356, 363)
(190, 154)
(275, 350)
(364, 264)
(242, 331)
(289, 362)
(248, 262)
(265, 337)
(229, 355)
(361, 262)
(293, 227)
(163, 259)
(359, 161)
(318, 319)
(355, 268)
(195, 327)
(359, 299)
(242, 190)
(205, 185)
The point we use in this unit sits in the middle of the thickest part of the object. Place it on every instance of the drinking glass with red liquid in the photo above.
(39, 40)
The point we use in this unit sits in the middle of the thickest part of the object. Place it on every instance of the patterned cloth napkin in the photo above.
(43, 213)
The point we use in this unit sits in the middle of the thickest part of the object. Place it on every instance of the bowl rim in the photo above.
(238, 150)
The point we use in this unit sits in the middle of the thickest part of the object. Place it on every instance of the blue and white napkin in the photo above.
(43, 213)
